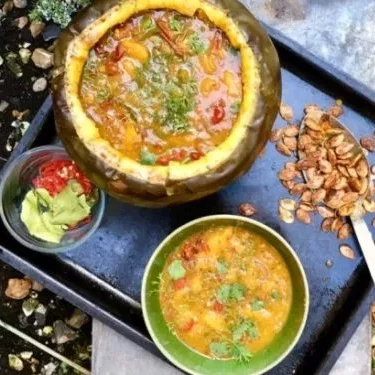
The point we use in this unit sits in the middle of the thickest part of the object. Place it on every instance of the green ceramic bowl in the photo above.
(192, 362)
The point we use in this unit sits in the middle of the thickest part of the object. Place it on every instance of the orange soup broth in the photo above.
(170, 90)
(234, 282)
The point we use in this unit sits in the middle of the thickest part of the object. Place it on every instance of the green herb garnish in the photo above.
(241, 353)
(219, 349)
(147, 23)
(196, 45)
(235, 108)
(147, 158)
(176, 270)
(230, 292)
(256, 304)
(246, 326)
(222, 266)
(275, 295)
(176, 25)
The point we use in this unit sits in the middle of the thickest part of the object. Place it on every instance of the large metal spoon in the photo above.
(361, 230)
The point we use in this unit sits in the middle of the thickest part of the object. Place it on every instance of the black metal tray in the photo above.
(104, 276)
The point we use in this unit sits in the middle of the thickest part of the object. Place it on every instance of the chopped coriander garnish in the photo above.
(147, 158)
(245, 327)
(230, 292)
(241, 353)
(235, 108)
(256, 304)
(176, 270)
(275, 295)
(219, 349)
(175, 25)
(196, 45)
(222, 266)
(147, 23)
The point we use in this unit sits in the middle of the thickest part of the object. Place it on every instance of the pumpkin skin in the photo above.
(159, 186)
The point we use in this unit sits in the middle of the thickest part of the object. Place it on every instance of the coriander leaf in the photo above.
(219, 349)
(238, 292)
(147, 157)
(275, 295)
(175, 25)
(222, 266)
(246, 326)
(241, 353)
(235, 108)
(176, 270)
(256, 304)
(223, 294)
(230, 292)
(147, 23)
(196, 45)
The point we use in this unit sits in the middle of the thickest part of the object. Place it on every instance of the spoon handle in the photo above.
(366, 242)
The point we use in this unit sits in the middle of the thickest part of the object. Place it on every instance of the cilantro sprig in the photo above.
(231, 292)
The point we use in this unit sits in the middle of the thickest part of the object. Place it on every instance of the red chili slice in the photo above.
(179, 284)
(118, 52)
(163, 160)
(218, 113)
(195, 155)
(188, 326)
(218, 307)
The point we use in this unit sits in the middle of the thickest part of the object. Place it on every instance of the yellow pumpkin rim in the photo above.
(76, 57)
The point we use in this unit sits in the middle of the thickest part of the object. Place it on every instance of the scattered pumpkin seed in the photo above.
(347, 251)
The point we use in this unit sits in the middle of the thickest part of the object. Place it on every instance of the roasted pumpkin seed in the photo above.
(336, 140)
(325, 212)
(337, 223)
(247, 209)
(327, 224)
(344, 232)
(303, 216)
(291, 131)
(335, 111)
(318, 196)
(347, 251)
(369, 206)
(276, 135)
(291, 143)
(325, 166)
(368, 143)
(285, 215)
(362, 168)
(347, 210)
(288, 204)
(286, 112)
(306, 196)
(280, 146)
(331, 156)
(316, 182)
(287, 174)
(298, 189)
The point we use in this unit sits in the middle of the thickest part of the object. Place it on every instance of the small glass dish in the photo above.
(16, 181)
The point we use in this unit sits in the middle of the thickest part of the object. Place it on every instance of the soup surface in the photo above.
(226, 292)
(162, 87)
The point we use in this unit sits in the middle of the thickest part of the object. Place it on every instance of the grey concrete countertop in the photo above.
(341, 32)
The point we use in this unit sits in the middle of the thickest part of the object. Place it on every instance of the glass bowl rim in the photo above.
(58, 249)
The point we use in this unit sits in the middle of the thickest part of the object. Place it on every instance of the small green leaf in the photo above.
(219, 349)
(175, 25)
(222, 266)
(147, 23)
(241, 353)
(235, 108)
(147, 157)
(246, 326)
(176, 270)
(196, 45)
(256, 304)
(238, 292)
(230, 292)
(223, 293)
(275, 295)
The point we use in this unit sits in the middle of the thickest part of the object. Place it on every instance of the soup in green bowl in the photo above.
(225, 295)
